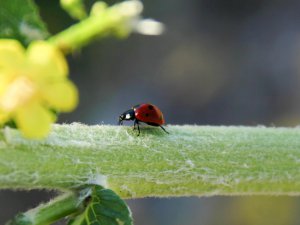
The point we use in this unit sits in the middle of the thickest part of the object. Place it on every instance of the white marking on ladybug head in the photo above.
(127, 116)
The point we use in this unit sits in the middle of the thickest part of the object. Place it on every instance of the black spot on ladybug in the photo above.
(150, 107)
(147, 114)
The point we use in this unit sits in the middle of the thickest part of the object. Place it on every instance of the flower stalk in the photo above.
(120, 20)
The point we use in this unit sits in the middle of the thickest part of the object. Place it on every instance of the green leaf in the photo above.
(104, 208)
(19, 19)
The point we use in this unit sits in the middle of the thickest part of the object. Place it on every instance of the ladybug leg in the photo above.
(164, 129)
(136, 122)
(134, 125)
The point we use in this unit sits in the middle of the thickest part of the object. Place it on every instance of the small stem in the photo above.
(81, 33)
(50, 212)
(111, 20)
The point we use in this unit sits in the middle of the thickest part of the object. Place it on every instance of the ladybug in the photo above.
(146, 113)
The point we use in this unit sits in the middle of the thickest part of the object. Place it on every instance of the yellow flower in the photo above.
(33, 82)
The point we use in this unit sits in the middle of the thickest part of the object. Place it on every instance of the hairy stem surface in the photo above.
(50, 212)
(191, 160)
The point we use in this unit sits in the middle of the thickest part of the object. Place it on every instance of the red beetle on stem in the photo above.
(146, 113)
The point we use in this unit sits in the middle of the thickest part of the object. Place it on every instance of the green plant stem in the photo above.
(191, 160)
(112, 20)
(50, 212)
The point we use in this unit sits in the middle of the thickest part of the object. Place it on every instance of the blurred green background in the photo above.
(219, 63)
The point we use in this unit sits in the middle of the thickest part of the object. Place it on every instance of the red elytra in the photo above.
(149, 114)
(146, 113)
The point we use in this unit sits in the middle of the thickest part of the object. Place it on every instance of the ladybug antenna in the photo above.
(164, 129)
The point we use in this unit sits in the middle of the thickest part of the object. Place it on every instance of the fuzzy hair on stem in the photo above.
(190, 161)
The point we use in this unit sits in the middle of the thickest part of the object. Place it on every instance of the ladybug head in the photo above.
(127, 115)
